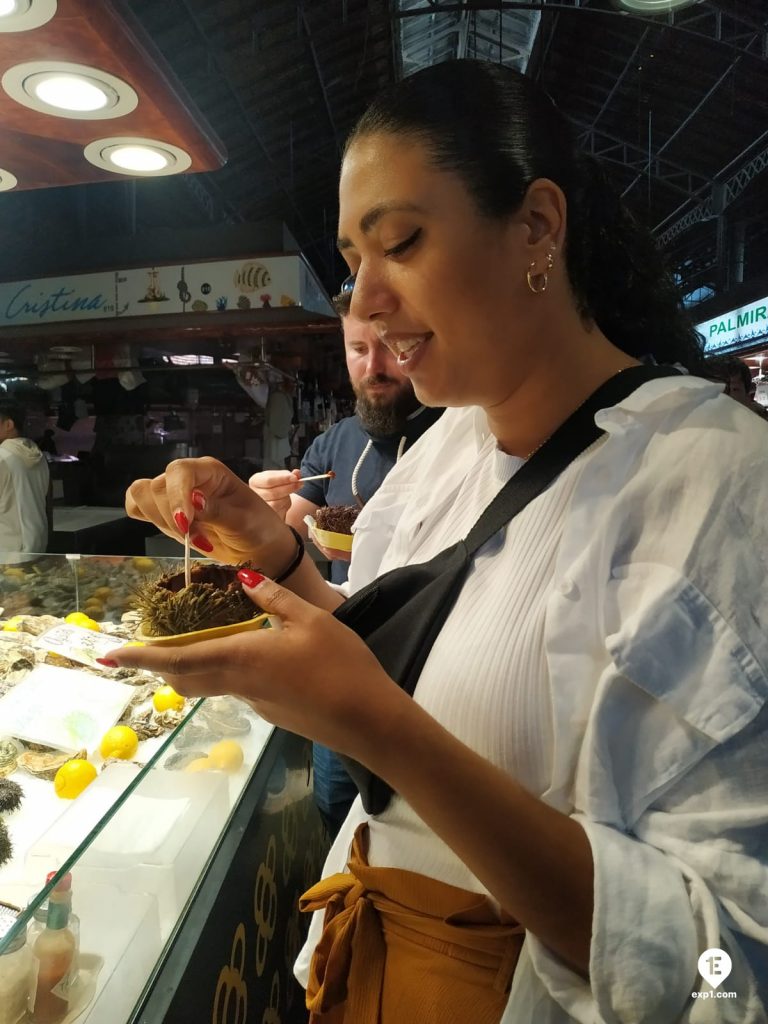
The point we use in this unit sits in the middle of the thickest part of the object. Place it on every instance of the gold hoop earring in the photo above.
(536, 289)
(529, 275)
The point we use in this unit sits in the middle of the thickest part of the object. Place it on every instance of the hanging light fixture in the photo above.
(69, 90)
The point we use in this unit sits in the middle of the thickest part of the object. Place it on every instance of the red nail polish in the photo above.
(250, 578)
(202, 544)
(198, 501)
(108, 662)
(181, 521)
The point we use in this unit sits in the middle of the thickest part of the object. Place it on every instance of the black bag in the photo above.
(400, 614)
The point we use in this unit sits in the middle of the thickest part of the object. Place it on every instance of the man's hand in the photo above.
(275, 486)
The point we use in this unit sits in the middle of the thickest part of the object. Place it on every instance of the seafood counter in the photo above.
(115, 791)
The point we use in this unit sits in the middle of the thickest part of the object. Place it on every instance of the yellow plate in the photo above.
(329, 539)
(214, 633)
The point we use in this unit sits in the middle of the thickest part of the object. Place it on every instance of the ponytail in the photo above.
(619, 277)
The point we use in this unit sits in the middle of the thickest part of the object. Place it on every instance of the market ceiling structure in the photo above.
(676, 104)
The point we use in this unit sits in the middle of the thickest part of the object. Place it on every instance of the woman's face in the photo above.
(444, 285)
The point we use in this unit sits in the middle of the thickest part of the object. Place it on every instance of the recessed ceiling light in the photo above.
(137, 157)
(654, 6)
(22, 15)
(69, 90)
(7, 181)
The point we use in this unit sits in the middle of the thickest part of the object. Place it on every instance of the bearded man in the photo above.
(360, 449)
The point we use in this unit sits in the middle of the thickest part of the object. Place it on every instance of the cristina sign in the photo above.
(273, 282)
(737, 329)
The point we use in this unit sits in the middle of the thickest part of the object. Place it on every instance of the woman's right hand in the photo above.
(275, 486)
(225, 518)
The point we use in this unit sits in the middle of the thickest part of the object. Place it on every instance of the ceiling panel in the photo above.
(673, 104)
(43, 150)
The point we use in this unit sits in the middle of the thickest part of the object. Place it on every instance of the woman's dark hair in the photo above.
(10, 410)
(499, 132)
(724, 368)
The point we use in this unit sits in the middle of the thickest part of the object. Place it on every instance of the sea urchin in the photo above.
(10, 795)
(214, 598)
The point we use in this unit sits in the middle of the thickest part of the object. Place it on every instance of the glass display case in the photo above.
(176, 871)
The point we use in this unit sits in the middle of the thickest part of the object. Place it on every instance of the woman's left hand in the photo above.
(312, 676)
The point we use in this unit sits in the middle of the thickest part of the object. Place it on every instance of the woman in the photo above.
(584, 763)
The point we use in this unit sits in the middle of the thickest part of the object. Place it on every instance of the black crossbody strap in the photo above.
(568, 442)
(400, 614)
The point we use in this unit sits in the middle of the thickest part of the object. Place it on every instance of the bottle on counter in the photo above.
(61, 894)
(15, 978)
(53, 956)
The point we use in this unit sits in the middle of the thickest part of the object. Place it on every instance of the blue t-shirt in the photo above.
(339, 449)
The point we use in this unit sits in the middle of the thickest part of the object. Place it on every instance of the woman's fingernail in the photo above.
(198, 501)
(202, 543)
(108, 662)
(181, 521)
(250, 578)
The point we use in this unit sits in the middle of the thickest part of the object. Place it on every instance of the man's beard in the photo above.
(388, 415)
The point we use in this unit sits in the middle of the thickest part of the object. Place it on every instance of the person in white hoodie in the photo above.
(24, 478)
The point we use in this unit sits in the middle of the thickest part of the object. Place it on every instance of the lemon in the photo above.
(226, 756)
(166, 699)
(144, 564)
(200, 764)
(73, 777)
(12, 625)
(119, 741)
(82, 620)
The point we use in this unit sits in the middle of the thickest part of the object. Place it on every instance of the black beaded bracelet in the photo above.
(296, 561)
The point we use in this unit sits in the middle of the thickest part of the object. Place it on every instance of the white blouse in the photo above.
(610, 650)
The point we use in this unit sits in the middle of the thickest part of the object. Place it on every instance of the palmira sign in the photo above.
(736, 329)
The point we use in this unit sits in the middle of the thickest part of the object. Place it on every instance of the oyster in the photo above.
(169, 719)
(34, 625)
(144, 724)
(131, 676)
(147, 722)
(178, 761)
(43, 763)
(119, 760)
(141, 694)
(9, 757)
(15, 663)
(224, 716)
(193, 733)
